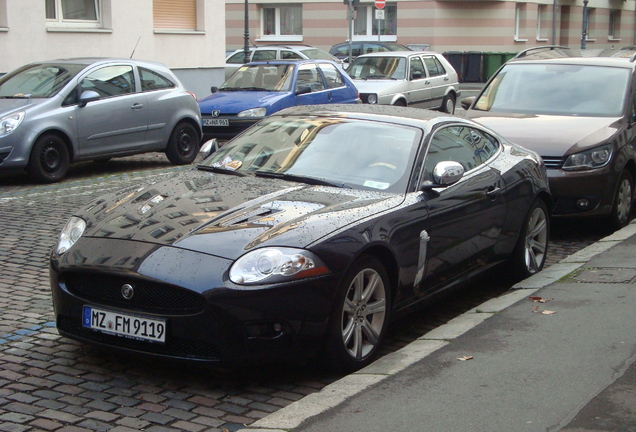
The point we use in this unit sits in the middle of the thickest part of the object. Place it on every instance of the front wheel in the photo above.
(448, 104)
(183, 145)
(360, 317)
(530, 253)
(49, 159)
(623, 199)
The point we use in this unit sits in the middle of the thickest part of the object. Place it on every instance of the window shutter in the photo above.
(175, 14)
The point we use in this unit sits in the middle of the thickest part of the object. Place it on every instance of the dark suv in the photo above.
(578, 113)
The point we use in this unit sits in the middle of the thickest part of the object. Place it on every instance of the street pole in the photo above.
(584, 32)
(350, 31)
(554, 22)
(246, 42)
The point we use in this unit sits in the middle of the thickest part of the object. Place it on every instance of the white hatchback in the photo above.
(422, 79)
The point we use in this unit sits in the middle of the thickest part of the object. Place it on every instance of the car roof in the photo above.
(398, 53)
(624, 58)
(103, 60)
(294, 61)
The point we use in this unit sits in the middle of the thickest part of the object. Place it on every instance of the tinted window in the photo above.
(262, 55)
(290, 55)
(332, 75)
(110, 81)
(308, 76)
(38, 81)
(237, 58)
(434, 66)
(151, 80)
(417, 68)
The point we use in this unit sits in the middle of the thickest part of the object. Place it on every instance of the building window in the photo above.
(614, 24)
(542, 18)
(174, 16)
(588, 24)
(366, 25)
(520, 20)
(73, 13)
(282, 21)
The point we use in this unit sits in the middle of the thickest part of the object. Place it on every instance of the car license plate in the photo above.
(129, 326)
(216, 122)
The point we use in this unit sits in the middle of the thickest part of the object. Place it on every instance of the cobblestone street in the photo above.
(50, 383)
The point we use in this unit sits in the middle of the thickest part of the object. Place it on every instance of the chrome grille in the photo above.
(552, 162)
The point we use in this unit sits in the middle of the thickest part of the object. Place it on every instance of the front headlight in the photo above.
(589, 159)
(71, 232)
(253, 112)
(372, 99)
(9, 122)
(270, 265)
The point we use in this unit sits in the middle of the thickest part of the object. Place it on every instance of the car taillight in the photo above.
(193, 95)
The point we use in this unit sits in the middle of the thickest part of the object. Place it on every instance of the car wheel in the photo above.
(530, 252)
(49, 159)
(183, 145)
(400, 103)
(448, 104)
(623, 201)
(360, 317)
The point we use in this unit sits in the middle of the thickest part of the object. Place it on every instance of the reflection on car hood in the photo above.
(233, 102)
(550, 135)
(10, 105)
(379, 86)
(226, 216)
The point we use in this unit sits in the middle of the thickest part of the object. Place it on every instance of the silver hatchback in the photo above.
(57, 112)
(406, 78)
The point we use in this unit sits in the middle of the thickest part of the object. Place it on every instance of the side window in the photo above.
(289, 55)
(236, 58)
(434, 66)
(308, 76)
(262, 55)
(332, 76)
(110, 81)
(417, 68)
(151, 80)
(467, 146)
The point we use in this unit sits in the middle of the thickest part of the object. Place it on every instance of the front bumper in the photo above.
(208, 319)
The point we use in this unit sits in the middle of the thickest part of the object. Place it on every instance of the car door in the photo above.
(118, 121)
(419, 91)
(162, 103)
(310, 88)
(337, 90)
(438, 79)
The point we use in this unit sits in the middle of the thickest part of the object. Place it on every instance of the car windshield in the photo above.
(557, 89)
(389, 68)
(266, 77)
(350, 153)
(38, 81)
(316, 54)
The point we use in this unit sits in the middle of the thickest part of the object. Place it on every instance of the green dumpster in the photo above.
(492, 62)
(508, 56)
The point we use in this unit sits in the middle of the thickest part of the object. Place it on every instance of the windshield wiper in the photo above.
(230, 89)
(220, 170)
(253, 89)
(301, 179)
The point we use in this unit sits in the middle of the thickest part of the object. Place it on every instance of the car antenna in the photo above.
(133, 53)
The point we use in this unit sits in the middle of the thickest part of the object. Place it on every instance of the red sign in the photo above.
(380, 4)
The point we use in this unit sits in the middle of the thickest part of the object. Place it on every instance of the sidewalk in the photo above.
(566, 362)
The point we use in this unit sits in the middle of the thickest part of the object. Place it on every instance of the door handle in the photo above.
(137, 106)
(493, 192)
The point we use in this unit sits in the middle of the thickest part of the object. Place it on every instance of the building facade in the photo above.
(444, 25)
(187, 35)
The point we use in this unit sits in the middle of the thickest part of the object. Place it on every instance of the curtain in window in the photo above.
(291, 20)
(79, 10)
(269, 21)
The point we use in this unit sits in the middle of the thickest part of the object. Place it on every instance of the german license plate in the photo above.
(216, 122)
(125, 325)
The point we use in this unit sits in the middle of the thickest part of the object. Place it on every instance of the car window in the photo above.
(434, 66)
(237, 58)
(468, 146)
(372, 48)
(290, 55)
(316, 54)
(262, 55)
(417, 68)
(378, 68)
(262, 77)
(110, 81)
(151, 80)
(38, 81)
(333, 77)
(308, 76)
(343, 50)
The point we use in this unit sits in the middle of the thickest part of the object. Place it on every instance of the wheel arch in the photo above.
(61, 134)
(193, 122)
(386, 257)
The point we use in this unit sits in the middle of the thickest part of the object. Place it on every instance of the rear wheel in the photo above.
(49, 159)
(530, 252)
(400, 102)
(183, 145)
(448, 104)
(360, 317)
(623, 201)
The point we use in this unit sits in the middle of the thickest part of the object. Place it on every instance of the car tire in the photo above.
(49, 159)
(623, 201)
(531, 249)
(183, 145)
(360, 317)
(400, 103)
(448, 104)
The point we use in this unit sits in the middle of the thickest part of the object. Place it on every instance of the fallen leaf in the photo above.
(465, 358)
(548, 312)
(538, 299)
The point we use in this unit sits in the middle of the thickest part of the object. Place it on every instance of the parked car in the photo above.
(578, 113)
(406, 78)
(260, 89)
(57, 112)
(276, 52)
(341, 50)
(304, 235)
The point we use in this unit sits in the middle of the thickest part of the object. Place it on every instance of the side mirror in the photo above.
(214, 89)
(445, 173)
(209, 147)
(303, 90)
(467, 102)
(88, 96)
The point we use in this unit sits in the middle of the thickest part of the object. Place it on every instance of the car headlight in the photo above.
(270, 265)
(9, 122)
(71, 232)
(372, 99)
(253, 112)
(589, 159)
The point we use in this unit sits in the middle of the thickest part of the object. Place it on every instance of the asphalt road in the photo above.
(51, 383)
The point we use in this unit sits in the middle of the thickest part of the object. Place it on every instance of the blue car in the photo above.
(259, 89)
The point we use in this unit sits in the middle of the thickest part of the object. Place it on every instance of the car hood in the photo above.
(233, 102)
(378, 86)
(550, 135)
(226, 215)
(10, 105)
